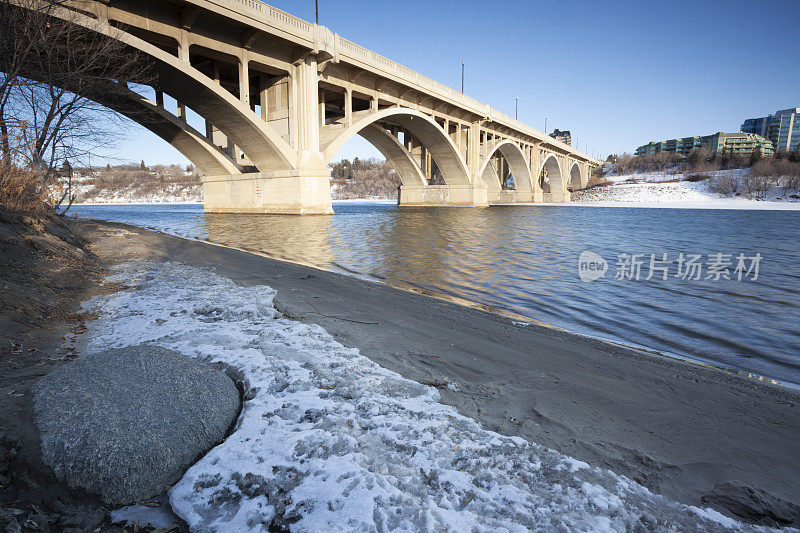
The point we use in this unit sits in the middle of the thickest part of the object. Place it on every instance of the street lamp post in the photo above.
(316, 10)
(462, 77)
(545, 124)
(516, 108)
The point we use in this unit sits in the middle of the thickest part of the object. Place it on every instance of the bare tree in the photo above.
(53, 73)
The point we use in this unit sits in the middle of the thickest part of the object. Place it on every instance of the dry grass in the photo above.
(20, 189)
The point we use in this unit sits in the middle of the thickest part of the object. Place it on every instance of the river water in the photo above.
(525, 259)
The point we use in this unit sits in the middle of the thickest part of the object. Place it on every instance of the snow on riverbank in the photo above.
(170, 193)
(661, 189)
(329, 440)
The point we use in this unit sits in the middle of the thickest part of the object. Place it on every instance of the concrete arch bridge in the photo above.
(280, 96)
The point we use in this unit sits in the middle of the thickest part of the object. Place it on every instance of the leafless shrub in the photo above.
(660, 162)
(726, 184)
(711, 165)
(600, 183)
(597, 178)
(756, 186)
(776, 167)
(599, 172)
(782, 172)
(368, 179)
(695, 177)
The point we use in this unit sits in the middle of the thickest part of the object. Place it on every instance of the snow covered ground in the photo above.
(168, 193)
(661, 189)
(330, 441)
(378, 201)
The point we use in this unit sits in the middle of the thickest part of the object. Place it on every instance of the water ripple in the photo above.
(524, 259)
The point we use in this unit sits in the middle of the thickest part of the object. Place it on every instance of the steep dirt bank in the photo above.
(48, 268)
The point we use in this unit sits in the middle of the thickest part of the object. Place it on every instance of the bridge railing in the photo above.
(258, 10)
(369, 57)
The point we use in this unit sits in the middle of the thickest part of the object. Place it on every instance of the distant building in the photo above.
(782, 128)
(738, 143)
(563, 136)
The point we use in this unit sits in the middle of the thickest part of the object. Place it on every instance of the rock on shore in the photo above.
(127, 423)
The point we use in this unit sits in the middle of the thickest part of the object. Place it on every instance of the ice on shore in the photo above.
(330, 441)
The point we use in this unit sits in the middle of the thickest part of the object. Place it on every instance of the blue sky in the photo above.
(617, 74)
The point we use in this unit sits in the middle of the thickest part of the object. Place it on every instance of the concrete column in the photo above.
(428, 166)
(293, 83)
(306, 105)
(321, 112)
(183, 46)
(244, 78)
(215, 136)
(348, 107)
(262, 96)
(373, 103)
(473, 151)
(183, 55)
(160, 99)
(304, 189)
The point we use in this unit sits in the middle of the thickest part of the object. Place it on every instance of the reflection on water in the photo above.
(300, 239)
(524, 259)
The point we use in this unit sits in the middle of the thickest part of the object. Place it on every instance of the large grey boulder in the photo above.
(127, 423)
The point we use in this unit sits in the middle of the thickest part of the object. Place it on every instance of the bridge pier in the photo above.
(556, 197)
(291, 192)
(443, 195)
(511, 196)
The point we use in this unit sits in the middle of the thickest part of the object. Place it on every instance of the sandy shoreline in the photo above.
(676, 428)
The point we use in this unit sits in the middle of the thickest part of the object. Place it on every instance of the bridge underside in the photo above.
(279, 97)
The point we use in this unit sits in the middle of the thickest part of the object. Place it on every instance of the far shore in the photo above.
(679, 429)
(721, 203)
(380, 201)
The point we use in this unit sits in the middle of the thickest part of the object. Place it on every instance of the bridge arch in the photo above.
(520, 169)
(424, 128)
(206, 157)
(576, 177)
(395, 153)
(551, 168)
(176, 77)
